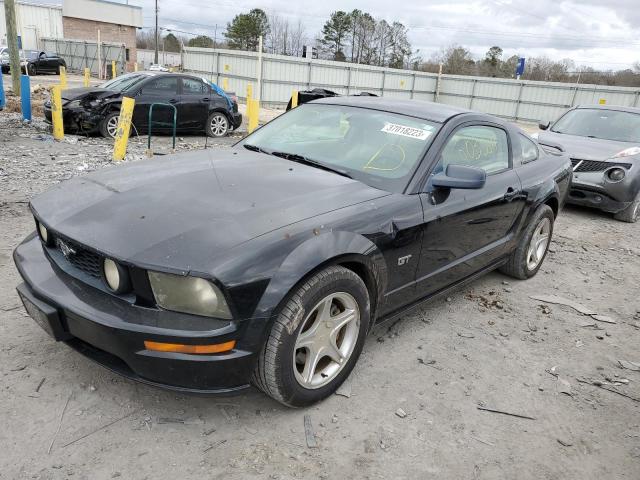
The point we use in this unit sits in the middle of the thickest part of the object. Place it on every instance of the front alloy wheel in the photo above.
(109, 125)
(316, 338)
(539, 243)
(327, 339)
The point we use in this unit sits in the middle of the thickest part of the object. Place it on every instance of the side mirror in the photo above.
(460, 176)
(544, 125)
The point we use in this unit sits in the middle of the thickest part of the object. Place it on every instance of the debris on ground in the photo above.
(564, 301)
(629, 365)
(310, 436)
(344, 390)
(401, 413)
(503, 412)
(563, 386)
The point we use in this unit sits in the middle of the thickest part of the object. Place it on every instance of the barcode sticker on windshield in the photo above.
(417, 133)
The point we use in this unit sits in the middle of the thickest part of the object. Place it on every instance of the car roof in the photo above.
(436, 112)
(615, 108)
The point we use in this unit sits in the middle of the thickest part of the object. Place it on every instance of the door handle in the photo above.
(511, 194)
(205, 99)
(173, 100)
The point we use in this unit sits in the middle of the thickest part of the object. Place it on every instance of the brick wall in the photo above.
(81, 29)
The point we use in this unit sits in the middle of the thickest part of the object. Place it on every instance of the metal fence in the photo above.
(80, 55)
(519, 100)
(146, 58)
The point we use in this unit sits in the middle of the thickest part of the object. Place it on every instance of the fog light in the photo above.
(597, 199)
(115, 276)
(616, 174)
(192, 349)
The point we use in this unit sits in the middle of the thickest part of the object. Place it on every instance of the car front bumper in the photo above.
(593, 190)
(76, 120)
(112, 331)
(236, 120)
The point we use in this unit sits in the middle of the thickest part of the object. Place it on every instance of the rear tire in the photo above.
(631, 213)
(218, 125)
(525, 261)
(316, 339)
(32, 70)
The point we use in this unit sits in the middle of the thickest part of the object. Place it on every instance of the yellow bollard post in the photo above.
(124, 127)
(294, 99)
(225, 84)
(113, 69)
(135, 66)
(87, 74)
(249, 92)
(253, 110)
(63, 77)
(56, 112)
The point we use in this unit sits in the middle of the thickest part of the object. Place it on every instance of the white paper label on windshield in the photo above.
(417, 133)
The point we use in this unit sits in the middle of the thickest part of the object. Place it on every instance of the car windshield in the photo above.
(31, 54)
(124, 83)
(379, 148)
(600, 123)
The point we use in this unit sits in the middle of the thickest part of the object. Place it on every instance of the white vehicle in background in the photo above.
(156, 67)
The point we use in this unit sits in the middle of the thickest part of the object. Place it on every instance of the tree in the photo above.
(334, 33)
(457, 60)
(284, 38)
(493, 56)
(171, 43)
(201, 41)
(245, 30)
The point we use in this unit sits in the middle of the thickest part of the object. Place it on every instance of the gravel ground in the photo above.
(410, 409)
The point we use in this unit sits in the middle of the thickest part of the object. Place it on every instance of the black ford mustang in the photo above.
(199, 107)
(269, 263)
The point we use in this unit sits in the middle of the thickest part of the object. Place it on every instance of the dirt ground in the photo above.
(410, 409)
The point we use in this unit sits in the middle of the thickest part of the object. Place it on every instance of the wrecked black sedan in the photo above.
(604, 145)
(268, 263)
(199, 107)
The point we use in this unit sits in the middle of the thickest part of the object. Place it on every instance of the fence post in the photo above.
(124, 127)
(56, 113)
(87, 73)
(2, 97)
(473, 93)
(436, 94)
(63, 77)
(518, 101)
(413, 86)
(294, 99)
(217, 54)
(309, 76)
(348, 79)
(637, 100)
(384, 78)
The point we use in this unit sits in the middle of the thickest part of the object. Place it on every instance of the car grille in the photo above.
(79, 257)
(580, 165)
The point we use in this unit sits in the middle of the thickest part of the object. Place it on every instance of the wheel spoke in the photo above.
(340, 320)
(310, 364)
(324, 309)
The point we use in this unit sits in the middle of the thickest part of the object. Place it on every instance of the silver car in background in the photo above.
(603, 143)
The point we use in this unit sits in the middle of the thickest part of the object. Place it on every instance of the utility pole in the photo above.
(156, 42)
(12, 43)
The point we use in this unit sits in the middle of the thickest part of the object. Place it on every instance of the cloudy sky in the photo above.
(596, 33)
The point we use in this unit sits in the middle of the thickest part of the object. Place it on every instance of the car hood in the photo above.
(87, 92)
(585, 148)
(180, 212)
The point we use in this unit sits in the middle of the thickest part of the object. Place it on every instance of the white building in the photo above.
(34, 21)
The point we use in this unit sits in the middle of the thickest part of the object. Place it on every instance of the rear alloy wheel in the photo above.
(631, 213)
(109, 125)
(525, 261)
(217, 125)
(316, 339)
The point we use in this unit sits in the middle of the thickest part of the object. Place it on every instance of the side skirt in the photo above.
(422, 301)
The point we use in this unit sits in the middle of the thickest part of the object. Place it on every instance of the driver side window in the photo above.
(477, 146)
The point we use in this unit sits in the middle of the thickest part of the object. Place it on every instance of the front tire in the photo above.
(217, 125)
(525, 261)
(32, 70)
(316, 339)
(631, 213)
(109, 125)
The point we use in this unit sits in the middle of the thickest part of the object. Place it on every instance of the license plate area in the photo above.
(43, 314)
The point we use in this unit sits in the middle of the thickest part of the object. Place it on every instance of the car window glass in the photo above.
(162, 86)
(382, 149)
(478, 146)
(529, 149)
(193, 87)
(600, 123)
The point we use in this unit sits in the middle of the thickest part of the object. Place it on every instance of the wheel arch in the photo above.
(346, 249)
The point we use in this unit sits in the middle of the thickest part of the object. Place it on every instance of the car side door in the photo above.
(193, 108)
(466, 230)
(159, 89)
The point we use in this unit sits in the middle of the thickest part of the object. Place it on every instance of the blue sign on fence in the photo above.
(19, 42)
(520, 67)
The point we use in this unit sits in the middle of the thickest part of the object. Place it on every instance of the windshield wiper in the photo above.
(294, 157)
(254, 148)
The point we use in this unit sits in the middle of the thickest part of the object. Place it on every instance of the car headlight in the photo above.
(115, 276)
(95, 102)
(73, 104)
(616, 174)
(629, 152)
(189, 295)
